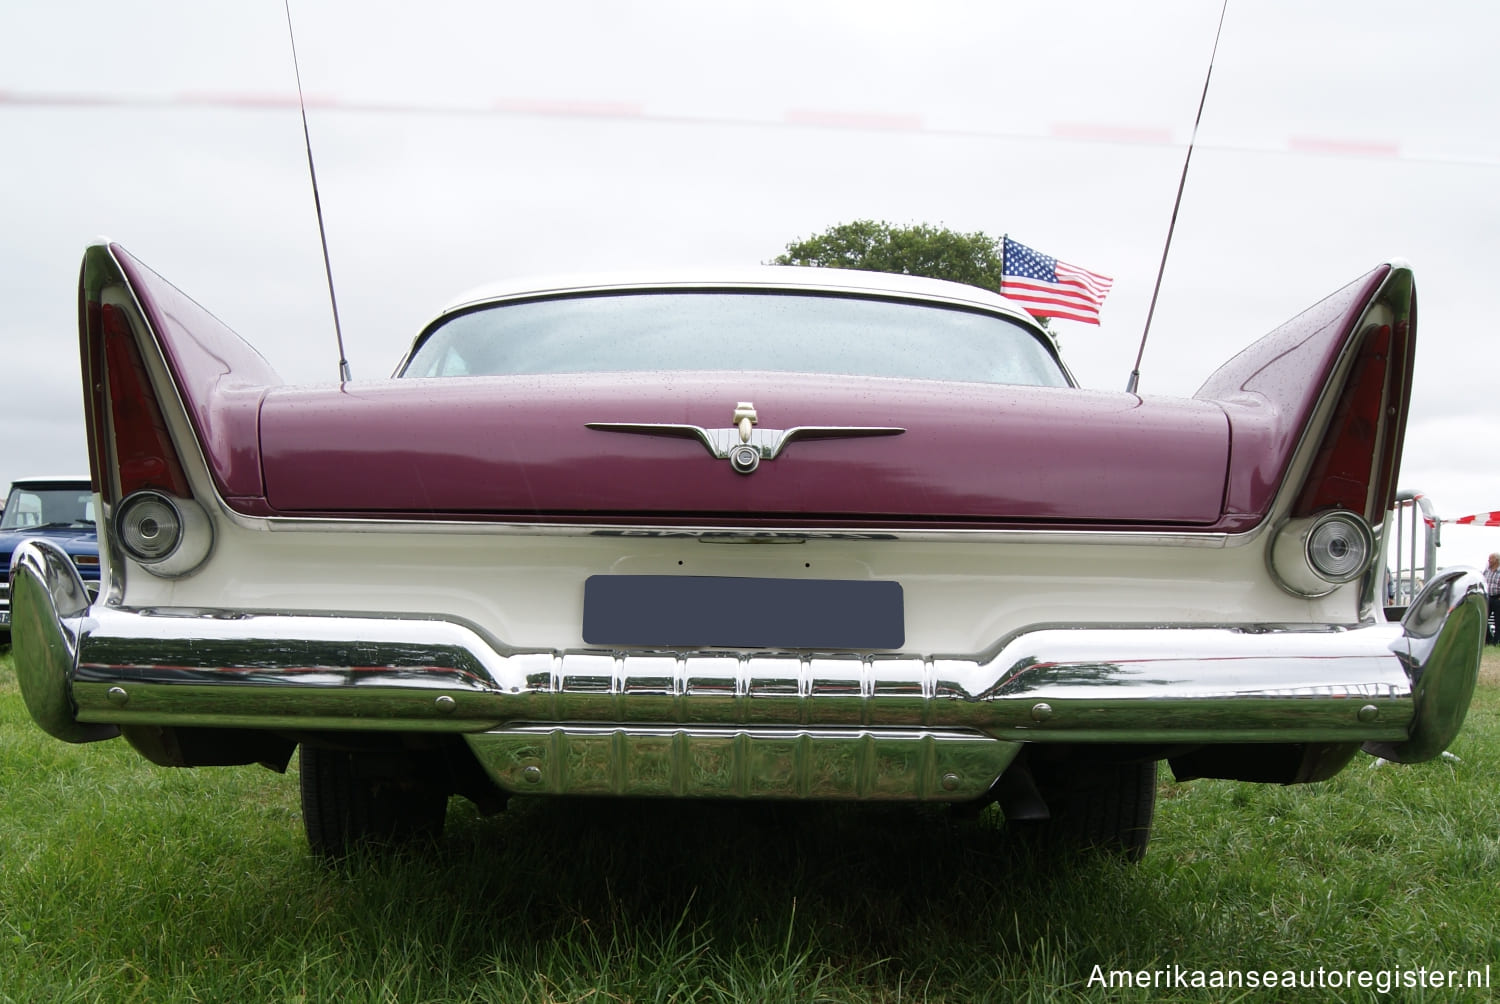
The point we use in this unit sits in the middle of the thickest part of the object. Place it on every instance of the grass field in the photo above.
(120, 881)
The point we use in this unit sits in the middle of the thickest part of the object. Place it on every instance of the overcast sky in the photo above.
(460, 142)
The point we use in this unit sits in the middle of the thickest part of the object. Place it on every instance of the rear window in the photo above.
(713, 330)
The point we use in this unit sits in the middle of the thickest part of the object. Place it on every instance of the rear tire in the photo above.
(355, 799)
(1100, 805)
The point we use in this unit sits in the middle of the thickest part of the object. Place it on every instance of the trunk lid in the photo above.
(521, 447)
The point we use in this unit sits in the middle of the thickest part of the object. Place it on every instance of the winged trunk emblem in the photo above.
(742, 444)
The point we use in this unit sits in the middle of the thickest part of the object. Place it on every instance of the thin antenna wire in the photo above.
(344, 374)
(1135, 374)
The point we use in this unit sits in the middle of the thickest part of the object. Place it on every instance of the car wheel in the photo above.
(1104, 805)
(365, 799)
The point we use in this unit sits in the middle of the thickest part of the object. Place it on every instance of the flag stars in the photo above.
(1050, 288)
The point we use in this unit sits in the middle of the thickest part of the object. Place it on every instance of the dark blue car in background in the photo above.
(60, 509)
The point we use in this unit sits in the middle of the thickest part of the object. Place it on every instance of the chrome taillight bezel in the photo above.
(1312, 556)
(166, 535)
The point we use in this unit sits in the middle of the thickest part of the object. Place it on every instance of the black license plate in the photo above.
(676, 611)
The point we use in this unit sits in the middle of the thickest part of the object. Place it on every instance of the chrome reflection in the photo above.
(791, 763)
(743, 446)
(48, 600)
(1105, 685)
(1443, 638)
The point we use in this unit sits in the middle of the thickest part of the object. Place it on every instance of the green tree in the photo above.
(920, 249)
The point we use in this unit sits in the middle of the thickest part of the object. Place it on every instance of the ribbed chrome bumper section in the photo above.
(538, 720)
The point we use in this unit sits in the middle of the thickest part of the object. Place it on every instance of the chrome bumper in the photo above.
(1402, 690)
(91, 585)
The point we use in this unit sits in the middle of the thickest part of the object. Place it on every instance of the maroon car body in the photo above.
(1084, 457)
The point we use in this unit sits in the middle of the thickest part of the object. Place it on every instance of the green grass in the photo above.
(120, 881)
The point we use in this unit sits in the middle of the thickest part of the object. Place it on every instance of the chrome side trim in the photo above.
(318, 524)
(825, 764)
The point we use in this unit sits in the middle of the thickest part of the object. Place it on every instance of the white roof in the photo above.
(789, 277)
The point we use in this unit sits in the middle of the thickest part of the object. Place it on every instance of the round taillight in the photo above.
(150, 527)
(170, 536)
(1314, 555)
(1339, 546)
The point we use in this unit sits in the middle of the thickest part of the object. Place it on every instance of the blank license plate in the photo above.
(707, 610)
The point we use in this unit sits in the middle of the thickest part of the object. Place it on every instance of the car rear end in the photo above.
(562, 581)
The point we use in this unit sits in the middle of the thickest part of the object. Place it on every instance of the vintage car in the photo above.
(58, 508)
(780, 533)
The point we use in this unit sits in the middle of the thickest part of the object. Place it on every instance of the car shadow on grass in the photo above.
(861, 886)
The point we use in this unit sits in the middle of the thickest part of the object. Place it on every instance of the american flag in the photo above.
(1050, 288)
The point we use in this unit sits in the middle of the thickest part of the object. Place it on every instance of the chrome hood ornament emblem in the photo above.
(744, 418)
(742, 444)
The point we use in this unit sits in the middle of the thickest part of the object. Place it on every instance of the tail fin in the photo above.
(1318, 407)
(171, 399)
